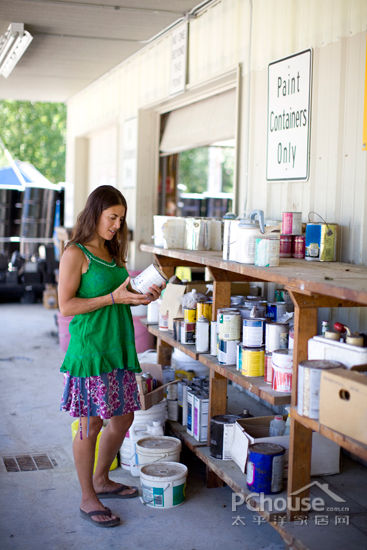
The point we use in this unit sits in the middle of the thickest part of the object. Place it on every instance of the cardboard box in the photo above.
(147, 400)
(325, 458)
(172, 296)
(343, 401)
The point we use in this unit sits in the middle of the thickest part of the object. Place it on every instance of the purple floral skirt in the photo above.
(110, 394)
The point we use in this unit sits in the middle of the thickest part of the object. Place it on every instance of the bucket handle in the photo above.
(157, 459)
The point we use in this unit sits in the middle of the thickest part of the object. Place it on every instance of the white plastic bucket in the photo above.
(163, 484)
(158, 449)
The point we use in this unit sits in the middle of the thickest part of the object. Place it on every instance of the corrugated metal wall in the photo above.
(255, 33)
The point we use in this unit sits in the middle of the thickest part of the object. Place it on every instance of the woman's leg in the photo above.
(110, 442)
(84, 451)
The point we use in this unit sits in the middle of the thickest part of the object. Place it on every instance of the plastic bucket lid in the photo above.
(155, 445)
(163, 471)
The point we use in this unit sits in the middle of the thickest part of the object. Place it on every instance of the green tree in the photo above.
(35, 132)
(193, 170)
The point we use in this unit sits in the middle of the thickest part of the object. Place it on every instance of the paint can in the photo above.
(221, 435)
(308, 386)
(189, 315)
(213, 338)
(152, 275)
(267, 251)
(163, 484)
(227, 352)
(204, 309)
(162, 317)
(265, 468)
(298, 247)
(276, 336)
(177, 328)
(321, 240)
(187, 333)
(268, 368)
(253, 332)
(285, 246)
(201, 415)
(229, 324)
(252, 361)
(282, 363)
(202, 335)
(275, 310)
(291, 223)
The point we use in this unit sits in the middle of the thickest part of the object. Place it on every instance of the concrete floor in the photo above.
(40, 509)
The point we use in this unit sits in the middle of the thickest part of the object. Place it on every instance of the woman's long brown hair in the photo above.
(100, 199)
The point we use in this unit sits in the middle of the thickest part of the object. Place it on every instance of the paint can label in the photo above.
(291, 223)
(285, 246)
(189, 315)
(252, 362)
(253, 333)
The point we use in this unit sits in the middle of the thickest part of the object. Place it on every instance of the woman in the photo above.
(101, 360)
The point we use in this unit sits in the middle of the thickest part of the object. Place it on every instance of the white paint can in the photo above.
(267, 251)
(282, 363)
(229, 324)
(152, 275)
(308, 385)
(276, 336)
(227, 352)
(158, 449)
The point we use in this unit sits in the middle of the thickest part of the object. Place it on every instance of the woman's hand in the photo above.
(155, 292)
(123, 296)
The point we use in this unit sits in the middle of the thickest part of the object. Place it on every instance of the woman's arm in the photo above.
(71, 268)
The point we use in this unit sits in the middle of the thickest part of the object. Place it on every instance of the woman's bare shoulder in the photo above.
(73, 254)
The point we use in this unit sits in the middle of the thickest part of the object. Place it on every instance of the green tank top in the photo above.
(101, 340)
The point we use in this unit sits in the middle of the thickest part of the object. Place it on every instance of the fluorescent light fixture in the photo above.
(13, 44)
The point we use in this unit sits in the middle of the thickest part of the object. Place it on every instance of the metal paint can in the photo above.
(152, 275)
(267, 251)
(291, 223)
(213, 338)
(189, 315)
(282, 363)
(204, 309)
(239, 356)
(268, 368)
(229, 324)
(321, 240)
(187, 333)
(265, 467)
(276, 336)
(177, 328)
(202, 335)
(275, 310)
(253, 332)
(252, 361)
(308, 385)
(227, 352)
(285, 246)
(221, 435)
(298, 247)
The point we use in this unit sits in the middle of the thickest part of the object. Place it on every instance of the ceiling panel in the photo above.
(77, 41)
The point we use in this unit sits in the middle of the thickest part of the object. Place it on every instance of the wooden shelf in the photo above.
(311, 285)
(343, 440)
(255, 385)
(167, 336)
(345, 282)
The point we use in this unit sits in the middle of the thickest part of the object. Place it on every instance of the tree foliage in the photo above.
(35, 132)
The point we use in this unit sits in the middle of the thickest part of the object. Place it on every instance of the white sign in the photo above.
(289, 101)
(178, 59)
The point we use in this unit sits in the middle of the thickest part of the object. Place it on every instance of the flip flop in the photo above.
(106, 512)
(115, 492)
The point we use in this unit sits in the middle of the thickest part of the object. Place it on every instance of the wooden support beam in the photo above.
(218, 405)
(307, 299)
(299, 467)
